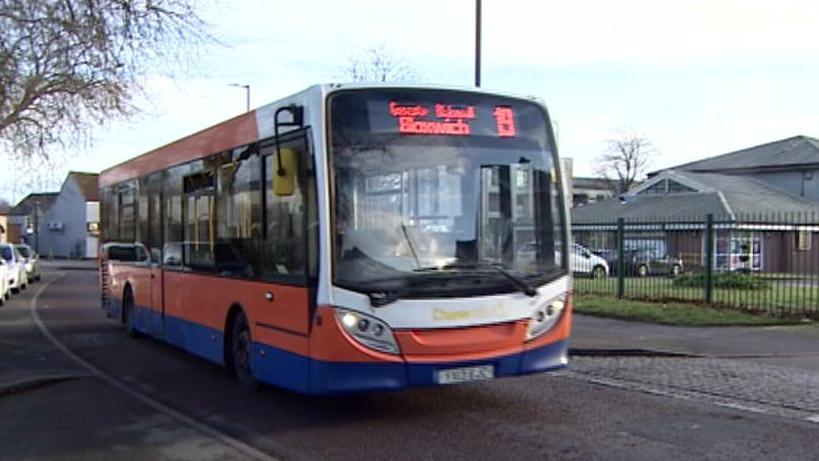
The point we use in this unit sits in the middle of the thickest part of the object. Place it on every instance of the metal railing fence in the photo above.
(762, 263)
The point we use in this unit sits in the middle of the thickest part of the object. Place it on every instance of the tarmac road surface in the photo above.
(209, 416)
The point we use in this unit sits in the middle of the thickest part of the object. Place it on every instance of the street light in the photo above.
(247, 93)
(478, 43)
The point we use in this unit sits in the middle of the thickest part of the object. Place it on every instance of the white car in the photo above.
(5, 287)
(32, 261)
(16, 266)
(583, 261)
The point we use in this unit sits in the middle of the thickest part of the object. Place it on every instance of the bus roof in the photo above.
(241, 130)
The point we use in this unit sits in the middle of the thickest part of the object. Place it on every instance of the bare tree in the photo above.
(625, 161)
(378, 64)
(35, 173)
(69, 65)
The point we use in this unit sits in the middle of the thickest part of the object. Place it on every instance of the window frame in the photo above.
(306, 166)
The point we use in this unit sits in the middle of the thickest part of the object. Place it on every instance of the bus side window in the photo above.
(239, 213)
(284, 245)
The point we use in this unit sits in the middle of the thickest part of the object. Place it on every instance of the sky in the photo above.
(696, 78)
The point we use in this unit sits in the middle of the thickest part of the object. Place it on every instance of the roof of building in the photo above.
(88, 184)
(725, 196)
(592, 183)
(791, 152)
(42, 199)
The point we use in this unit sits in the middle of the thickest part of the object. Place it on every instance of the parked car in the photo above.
(651, 262)
(581, 260)
(17, 276)
(5, 287)
(643, 262)
(32, 262)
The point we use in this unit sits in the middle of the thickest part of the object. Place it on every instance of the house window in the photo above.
(738, 251)
(666, 186)
(658, 188)
(803, 240)
(580, 199)
(676, 188)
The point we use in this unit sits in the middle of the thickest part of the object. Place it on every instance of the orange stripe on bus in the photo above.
(206, 299)
(235, 132)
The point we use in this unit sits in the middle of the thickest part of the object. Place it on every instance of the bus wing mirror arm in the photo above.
(296, 119)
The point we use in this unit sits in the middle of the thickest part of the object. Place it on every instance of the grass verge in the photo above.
(672, 313)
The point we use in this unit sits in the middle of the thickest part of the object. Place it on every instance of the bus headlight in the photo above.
(368, 331)
(544, 317)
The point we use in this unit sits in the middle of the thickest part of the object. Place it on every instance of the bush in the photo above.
(733, 280)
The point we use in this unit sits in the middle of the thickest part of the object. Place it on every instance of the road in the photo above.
(195, 410)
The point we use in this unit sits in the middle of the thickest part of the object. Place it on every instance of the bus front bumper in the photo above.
(345, 377)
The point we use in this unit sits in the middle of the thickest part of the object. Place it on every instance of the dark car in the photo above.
(643, 262)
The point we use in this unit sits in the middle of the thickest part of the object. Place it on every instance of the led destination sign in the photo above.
(448, 119)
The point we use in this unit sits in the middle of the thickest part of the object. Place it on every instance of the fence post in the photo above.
(621, 258)
(709, 259)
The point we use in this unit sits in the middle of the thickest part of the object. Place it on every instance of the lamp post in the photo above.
(478, 43)
(247, 93)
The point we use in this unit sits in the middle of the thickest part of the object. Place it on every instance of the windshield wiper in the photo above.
(409, 243)
(519, 283)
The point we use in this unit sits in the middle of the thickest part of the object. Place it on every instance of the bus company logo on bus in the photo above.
(476, 313)
(449, 119)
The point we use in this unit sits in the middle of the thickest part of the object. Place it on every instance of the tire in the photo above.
(642, 270)
(128, 314)
(599, 272)
(241, 352)
(675, 270)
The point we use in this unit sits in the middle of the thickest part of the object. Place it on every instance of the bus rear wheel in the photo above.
(241, 353)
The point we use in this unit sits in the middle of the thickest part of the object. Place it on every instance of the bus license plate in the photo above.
(466, 374)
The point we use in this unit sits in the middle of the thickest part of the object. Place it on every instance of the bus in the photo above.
(349, 238)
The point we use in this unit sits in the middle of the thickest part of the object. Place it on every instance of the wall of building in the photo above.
(781, 255)
(802, 183)
(68, 209)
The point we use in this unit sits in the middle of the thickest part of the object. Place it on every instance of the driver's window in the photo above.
(284, 247)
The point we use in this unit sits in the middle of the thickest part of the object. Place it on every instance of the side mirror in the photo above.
(284, 180)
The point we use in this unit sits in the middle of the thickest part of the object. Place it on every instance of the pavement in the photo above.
(53, 407)
(794, 346)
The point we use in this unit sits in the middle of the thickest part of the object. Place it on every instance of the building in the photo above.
(791, 165)
(760, 227)
(591, 190)
(25, 216)
(4, 226)
(60, 224)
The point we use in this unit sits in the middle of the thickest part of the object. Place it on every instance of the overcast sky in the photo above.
(698, 78)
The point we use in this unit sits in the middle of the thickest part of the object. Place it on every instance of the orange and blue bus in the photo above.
(349, 238)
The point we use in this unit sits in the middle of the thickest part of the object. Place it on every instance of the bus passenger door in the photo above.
(154, 243)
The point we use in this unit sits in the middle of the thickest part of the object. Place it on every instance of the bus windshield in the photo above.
(442, 193)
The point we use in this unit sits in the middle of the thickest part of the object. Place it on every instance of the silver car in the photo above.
(32, 261)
